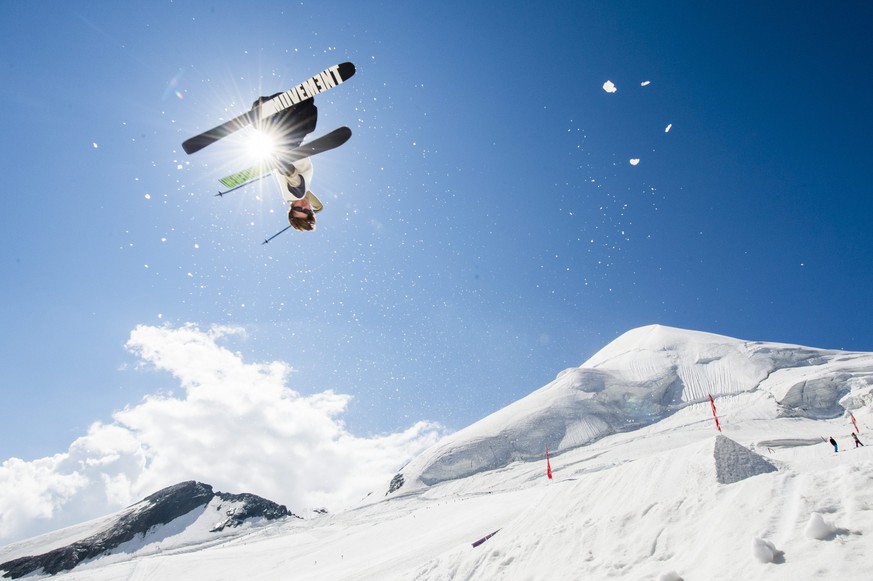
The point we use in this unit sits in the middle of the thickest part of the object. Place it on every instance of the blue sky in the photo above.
(484, 227)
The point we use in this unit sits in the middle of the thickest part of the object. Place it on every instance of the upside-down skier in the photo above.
(288, 128)
(287, 118)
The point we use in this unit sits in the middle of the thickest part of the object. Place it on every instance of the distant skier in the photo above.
(834, 444)
(857, 441)
(288, 127)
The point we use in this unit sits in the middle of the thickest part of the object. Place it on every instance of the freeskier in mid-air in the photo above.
(288, 118)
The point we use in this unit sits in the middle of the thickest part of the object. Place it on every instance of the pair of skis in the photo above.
(315, 85)
(323, 81)
(321, 144)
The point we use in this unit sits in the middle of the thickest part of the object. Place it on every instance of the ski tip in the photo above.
(346, 70)
(189, 146)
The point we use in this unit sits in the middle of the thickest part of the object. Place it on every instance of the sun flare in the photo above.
(261, 146)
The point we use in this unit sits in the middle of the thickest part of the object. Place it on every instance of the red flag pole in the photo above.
(714, 415)
(857, 431)
(548, 464)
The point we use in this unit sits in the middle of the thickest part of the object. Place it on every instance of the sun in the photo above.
(261, 146)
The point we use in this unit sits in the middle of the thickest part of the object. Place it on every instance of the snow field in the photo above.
(642, 502)
(633, 505)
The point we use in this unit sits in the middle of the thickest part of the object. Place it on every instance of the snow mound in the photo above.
(764, 551)
(734, 462)
(818, 528)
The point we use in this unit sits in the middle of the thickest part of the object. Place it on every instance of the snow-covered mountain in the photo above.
(642, 377)
(644, 485)
(185, 515)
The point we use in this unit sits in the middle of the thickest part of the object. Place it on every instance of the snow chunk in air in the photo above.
(609, 87)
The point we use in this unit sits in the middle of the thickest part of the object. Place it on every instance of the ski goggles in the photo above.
(301, 210)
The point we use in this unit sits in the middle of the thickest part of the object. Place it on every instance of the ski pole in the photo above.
(267, 241)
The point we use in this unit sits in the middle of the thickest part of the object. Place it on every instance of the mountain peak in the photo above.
(642, 377)
(174, 504)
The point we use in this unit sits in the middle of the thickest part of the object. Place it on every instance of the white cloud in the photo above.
(236, 425)
(33, 490)
(609, 87)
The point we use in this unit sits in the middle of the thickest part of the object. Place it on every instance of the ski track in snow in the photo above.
(789, 513)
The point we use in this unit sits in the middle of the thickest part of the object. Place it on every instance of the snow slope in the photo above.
(645, 375)
(663, 496)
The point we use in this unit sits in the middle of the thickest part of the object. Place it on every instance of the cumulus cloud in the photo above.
(235, 425)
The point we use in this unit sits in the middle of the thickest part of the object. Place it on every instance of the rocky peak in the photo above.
(160, 508)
